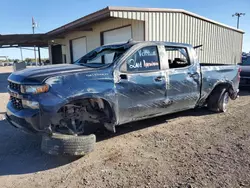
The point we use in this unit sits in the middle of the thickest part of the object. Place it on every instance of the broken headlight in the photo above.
(35, 89)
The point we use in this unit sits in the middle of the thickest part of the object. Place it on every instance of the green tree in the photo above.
(28, 60)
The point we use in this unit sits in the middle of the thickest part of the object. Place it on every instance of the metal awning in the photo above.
(23, 40)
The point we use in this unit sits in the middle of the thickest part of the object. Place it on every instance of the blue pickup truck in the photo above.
(113, 85)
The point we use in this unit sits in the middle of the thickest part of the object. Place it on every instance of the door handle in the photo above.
(193, 75)
(159, 78)
(123, 76)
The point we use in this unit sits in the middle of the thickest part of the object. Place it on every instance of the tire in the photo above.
(218, 99)
(61, 144)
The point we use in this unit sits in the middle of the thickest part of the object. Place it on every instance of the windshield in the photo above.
(103, 56)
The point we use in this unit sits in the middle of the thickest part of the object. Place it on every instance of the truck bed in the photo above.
(212, 74)
(215, 64)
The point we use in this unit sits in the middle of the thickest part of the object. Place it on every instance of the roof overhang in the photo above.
(81, 24)
(84, 23)
(23, 40)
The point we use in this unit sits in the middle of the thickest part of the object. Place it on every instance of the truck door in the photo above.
(183, 83)
(141, 85)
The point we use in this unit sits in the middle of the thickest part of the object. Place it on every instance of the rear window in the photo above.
(177, 57)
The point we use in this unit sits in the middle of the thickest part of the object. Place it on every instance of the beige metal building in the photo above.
(221, 43)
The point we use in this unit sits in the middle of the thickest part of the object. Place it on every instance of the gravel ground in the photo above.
(195, 148)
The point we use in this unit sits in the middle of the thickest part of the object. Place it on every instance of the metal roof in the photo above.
(91, 18)
(23, 40)
(106, 13)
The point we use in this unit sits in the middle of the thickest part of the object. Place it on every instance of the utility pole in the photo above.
(238, 14)
(33, 30)
(21, 53)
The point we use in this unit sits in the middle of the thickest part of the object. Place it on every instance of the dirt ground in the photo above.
(195, 148)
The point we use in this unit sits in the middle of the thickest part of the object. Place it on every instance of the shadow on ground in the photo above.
(4, 82)
(20, 153)
(130, 127)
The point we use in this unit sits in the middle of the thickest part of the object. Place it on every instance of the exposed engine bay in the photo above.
(79, 117)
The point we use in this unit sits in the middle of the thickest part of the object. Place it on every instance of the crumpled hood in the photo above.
(39, 74)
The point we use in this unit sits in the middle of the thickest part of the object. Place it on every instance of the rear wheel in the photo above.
(218, 99)
(224, 102)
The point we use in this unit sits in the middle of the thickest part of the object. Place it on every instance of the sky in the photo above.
(16, 15)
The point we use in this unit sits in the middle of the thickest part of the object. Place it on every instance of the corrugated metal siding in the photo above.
(220, 44)
(94, 38)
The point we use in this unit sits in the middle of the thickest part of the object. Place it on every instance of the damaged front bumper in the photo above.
(28, 120)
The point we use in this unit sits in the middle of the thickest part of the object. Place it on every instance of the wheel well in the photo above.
(82, 115)
(102, 103)
(228, 86)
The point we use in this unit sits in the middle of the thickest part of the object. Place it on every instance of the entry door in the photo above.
(78, 48)
(116, 35)
(56, 51)
(141, 88)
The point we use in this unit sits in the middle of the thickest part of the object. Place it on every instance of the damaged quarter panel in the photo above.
(212, 76)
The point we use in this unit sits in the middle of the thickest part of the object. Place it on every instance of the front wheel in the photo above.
(61, 144)
(218, 99)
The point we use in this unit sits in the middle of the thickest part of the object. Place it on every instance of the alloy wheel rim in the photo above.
(225, 101)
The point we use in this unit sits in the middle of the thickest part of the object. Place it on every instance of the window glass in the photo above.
(246, 60)
(177, 57)
(97, 58)
(145, 59)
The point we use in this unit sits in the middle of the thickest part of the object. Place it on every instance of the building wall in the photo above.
(221, 44)
(94, 37)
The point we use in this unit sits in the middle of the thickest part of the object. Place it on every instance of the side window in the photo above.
(145, 59)
(177, 57)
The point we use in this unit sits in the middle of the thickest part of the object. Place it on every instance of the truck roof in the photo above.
(132, 42)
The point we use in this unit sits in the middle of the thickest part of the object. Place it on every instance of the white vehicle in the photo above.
(5, 63)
